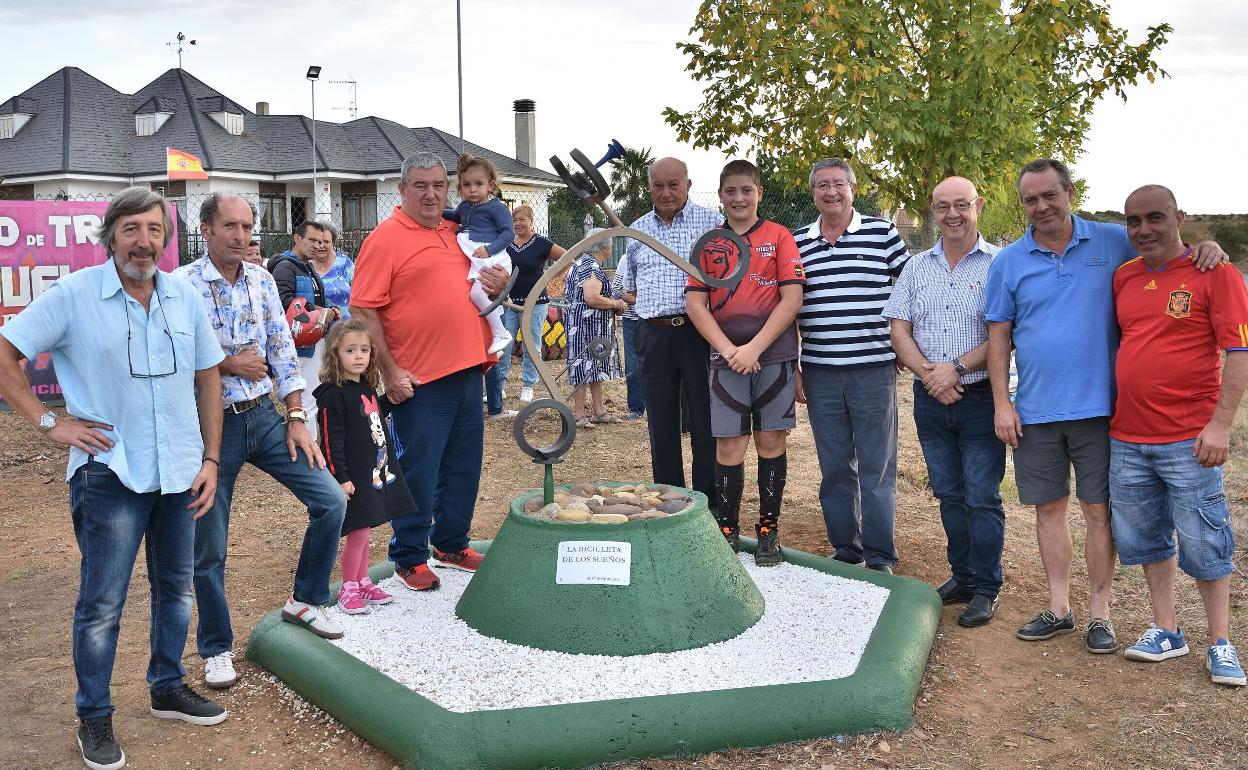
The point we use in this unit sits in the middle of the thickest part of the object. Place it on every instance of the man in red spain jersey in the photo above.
(1170, 432)
(753, 355)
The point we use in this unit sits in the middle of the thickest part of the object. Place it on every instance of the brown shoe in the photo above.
(418, 578)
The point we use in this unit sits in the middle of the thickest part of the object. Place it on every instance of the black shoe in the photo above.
(978, 612)
(1046, 625)
(953, 592)
(767, 552)
(733, 536)
(184, 703)
(881, 567)
(99, 747)
(850, 562)
(1100, 638)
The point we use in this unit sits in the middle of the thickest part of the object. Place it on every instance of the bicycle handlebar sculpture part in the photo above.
(504, 296)
(600, 348)
(590, 186)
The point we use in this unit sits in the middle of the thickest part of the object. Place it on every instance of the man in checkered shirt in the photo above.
(939, 333)
(673, 356)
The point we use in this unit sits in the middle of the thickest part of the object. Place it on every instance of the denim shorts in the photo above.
(1046, 451)
(1158, 489)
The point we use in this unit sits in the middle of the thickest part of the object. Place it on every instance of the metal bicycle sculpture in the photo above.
(589, 186)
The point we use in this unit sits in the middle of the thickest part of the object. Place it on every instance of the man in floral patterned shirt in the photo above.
(243, 306)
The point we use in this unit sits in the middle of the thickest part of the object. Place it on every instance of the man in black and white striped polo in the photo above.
(848, 375)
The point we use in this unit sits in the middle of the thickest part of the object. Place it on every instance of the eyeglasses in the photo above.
(173, 354)
(823, 187)
(959, 206)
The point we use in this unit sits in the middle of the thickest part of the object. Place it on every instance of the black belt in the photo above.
(238, 407)
(668, 320)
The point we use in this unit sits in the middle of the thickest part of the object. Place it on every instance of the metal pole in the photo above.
(459, 57)
(314, 206)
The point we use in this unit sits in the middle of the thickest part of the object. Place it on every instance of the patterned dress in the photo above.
(338, 283)
(585, 324)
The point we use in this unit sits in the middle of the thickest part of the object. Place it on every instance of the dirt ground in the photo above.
(987, 699)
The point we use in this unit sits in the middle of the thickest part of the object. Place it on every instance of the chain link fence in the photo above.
(556, 214)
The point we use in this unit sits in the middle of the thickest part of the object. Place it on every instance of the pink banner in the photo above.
(41, 241)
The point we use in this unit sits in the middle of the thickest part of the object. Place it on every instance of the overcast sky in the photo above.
(597, 71)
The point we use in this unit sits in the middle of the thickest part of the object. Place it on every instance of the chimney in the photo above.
(526, 131)
(262, 108)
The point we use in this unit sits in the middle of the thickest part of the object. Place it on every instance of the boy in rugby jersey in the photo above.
(753, 354)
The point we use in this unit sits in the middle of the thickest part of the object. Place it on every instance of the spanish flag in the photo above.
(183, 165)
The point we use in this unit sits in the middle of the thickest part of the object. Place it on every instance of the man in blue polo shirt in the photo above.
(137, 362)
(1050, 296)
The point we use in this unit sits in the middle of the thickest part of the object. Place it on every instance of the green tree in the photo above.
(911, 90)
(630, 183)
(567, 217)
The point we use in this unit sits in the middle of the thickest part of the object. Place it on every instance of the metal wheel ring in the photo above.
(743, 260)
(567, 432)
(601, 189)
(601, 348)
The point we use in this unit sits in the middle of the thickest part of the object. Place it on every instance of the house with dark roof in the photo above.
(72, 135)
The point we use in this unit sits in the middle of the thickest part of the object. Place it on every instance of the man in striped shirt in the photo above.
(848, 377)
(673, 356)
(939, 333)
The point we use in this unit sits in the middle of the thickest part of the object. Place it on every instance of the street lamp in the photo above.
(314, 74)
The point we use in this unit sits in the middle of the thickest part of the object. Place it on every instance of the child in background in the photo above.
(753, 355)
(485, 232)
(353, 439)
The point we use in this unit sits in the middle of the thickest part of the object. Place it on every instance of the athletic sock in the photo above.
(771, 477)
(729, 483)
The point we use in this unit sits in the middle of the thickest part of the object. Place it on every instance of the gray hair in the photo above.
(422, 160)
(597, 246)
(128, 202)
(1036, 166)
(212, 204)
(823, 163)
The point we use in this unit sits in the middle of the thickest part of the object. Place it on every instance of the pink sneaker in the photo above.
(372, 594)
(350, 599)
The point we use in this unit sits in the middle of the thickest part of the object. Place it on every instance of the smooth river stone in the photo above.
(647, 515)
(608, 518)
(651, 502)
(622, 509)
(563, 498)
(549, 511)
(620, 500)
(624, 488)
(583, 490)
(574, 514)
(576, 505)
(674, 506)
(532, 505)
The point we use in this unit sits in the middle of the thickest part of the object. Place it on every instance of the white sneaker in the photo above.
(500, 343)
(219, 671)
(526, 394)
(506, 414)
(312, 618)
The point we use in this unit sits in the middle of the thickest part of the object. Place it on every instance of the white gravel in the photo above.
(815, 628)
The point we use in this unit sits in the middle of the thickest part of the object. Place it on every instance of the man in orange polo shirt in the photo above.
(431, 345)
(1170, 432)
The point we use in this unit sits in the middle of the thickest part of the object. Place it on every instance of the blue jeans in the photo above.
(853, 416)
(511, 322)
(632, 367)
(1158, 489)
(965, 464)
(439, 435)
(109, 522)
(258, 436)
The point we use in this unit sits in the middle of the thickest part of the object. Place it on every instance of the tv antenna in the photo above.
(353, 108)
(181, 42)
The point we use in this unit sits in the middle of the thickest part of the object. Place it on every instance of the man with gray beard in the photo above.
(137, 362)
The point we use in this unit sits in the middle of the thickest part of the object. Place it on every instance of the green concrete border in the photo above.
(424, 736)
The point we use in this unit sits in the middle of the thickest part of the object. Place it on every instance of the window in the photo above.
(359, 205)
(145, 125)
(298, 211)
(6, 126)
(272, 213)
(234, 123)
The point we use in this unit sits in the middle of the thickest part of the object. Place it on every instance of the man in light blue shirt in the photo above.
(137, 363)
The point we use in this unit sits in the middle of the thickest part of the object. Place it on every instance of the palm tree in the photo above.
(630, 183)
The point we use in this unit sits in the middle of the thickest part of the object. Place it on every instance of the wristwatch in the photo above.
(47, 421)
(958, 367)
(297, 415)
